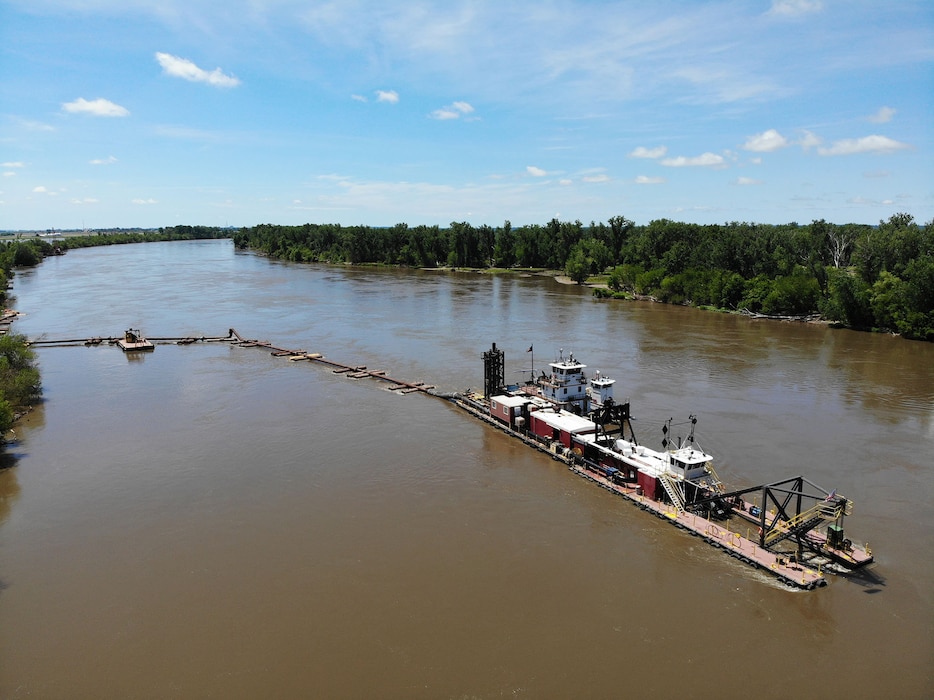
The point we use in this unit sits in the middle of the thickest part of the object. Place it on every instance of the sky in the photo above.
(148, 113)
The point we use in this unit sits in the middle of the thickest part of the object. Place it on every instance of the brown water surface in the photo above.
(211, 521)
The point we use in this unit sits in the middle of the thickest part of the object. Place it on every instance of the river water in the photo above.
(212, 521)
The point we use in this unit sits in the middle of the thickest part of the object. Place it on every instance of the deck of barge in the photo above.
(715, 533)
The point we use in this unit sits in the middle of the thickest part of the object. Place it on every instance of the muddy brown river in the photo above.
(212, 521)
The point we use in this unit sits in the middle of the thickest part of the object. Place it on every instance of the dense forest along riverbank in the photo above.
(866, 277)
(217, 521)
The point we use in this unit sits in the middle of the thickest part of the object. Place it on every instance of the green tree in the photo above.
(578, 265)
(487, 244)
(620, 227)
(7, 416)
(597, 253)
(504, 251)
(528, 246)
(616, 281)
(20, 385)
(24, 255)
(848, 300)
(794, 294)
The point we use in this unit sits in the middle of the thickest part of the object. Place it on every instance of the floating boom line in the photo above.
(234, 338)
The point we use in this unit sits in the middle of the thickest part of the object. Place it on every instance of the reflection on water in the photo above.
(9, 486)
(212, 520)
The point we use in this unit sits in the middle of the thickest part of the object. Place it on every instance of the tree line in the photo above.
(859, 276)
(20, 383)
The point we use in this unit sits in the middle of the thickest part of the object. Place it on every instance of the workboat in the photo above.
(792, 528)
(133, 341)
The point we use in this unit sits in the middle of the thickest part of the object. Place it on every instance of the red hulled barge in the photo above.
(792, 529)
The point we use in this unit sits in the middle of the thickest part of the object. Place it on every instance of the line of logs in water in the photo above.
(234, 338)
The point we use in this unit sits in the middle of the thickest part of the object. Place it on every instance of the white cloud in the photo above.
(747, 181)
(705, 159)
(390, 96)
(866, 144)
(535, 172)
(646, 180)
(359, 98)
(766, 142)
(99, 108)
(452, 111)
(565, 182)
(29, 125)
(643, 152)
(717, 84)
(795, 8)
(884, 115)
(444, 114)
(39, 189)
(863, 201)
(188, 133)
(809, 140)
(144, 201)
(9, 173)
(441, 202)
(103, 161)
(12, 164)
(596, 178)
(183, 68)
(86, 200)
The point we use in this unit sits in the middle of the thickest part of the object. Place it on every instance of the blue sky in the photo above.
(238, 112)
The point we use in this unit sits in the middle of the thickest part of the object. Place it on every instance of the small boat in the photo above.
(133, 341)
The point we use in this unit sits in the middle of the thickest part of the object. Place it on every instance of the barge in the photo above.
(133, 341)
(792, 529)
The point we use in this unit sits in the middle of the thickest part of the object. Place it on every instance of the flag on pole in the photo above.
(530, 349)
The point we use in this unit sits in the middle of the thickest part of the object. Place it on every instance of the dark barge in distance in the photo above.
(792, 529)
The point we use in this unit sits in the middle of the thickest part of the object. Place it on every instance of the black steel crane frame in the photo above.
(790, 498)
